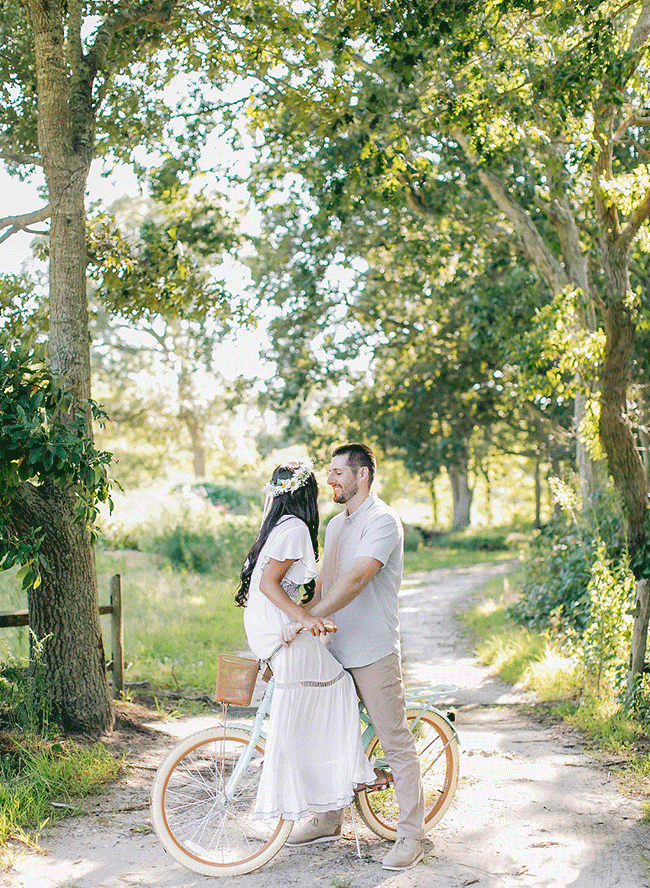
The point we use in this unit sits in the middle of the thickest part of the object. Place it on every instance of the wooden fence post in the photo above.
(117, 625)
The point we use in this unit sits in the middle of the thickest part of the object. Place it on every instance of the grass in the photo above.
(176, 623)
(37, 773)
(520, 656)
(508, 648)
(427, 559)
(464, 549)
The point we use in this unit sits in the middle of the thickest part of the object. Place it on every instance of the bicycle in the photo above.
(203, 794)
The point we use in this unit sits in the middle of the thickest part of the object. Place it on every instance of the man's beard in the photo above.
(344, 495)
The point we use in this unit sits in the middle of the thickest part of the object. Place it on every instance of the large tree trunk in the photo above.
(616, 431)
(617, 435)
(64, 612)
(65, 607)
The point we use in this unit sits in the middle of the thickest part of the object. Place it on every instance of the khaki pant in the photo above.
(380, 687)
(381, 690)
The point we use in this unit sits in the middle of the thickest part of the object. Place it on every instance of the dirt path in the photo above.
(532, 810)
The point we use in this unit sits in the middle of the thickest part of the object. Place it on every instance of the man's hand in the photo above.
(291, 630)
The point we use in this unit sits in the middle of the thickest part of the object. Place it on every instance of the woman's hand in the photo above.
(291, 630)
(289, 633)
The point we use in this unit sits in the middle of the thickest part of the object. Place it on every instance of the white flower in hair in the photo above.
(299, 478)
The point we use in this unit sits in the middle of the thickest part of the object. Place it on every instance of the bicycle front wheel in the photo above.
(437, 749)
(202, 828)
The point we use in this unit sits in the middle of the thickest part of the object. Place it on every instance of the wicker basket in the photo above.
(236, 678)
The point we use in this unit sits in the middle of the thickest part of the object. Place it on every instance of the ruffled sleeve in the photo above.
(290, 539)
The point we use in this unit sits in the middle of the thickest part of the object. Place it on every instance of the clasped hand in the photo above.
(311, 624)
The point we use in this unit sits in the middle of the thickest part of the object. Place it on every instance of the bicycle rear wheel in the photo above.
(191, 816)
(437, 749)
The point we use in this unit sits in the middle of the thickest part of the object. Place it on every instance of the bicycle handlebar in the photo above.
(302, 629)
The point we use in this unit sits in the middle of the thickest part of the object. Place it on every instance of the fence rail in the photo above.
(12, 619)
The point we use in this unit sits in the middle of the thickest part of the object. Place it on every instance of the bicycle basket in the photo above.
(236, 678)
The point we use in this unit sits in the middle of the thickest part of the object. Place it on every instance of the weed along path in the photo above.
(532, 809)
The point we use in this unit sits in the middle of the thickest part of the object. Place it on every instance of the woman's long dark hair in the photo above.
(303, 503)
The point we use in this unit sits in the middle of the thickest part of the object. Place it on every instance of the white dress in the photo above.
(314, 756)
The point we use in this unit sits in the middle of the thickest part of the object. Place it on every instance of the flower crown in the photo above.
(288, 485)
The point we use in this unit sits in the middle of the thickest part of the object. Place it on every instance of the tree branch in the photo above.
(548, 267)
(641, 31)
(637, 217)
(15, 157)
(14, 224)
(632, 120)
(322, 39)
(641, 273)
(73, 41)
(154, 11)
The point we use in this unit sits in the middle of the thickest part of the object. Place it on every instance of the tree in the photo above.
(436, 302)
(158, 382)
(545, 108)
(77, 79)
(47, 455)
(175, 248)
(421, 336)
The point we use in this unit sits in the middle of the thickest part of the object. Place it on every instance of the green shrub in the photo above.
(226, 495)
(119, 536)
(24, 699)
(412, 538)
(556, 579)
(222, 547)
(466, 541)
(558, 568)
(481, 542)
(605, 641)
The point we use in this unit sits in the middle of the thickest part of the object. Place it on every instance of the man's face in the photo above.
(342, 479)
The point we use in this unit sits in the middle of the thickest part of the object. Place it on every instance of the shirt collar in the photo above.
(365, 505)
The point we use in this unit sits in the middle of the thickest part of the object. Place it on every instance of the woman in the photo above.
(314, 758)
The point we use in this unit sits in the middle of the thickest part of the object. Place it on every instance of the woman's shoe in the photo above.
(321, 828)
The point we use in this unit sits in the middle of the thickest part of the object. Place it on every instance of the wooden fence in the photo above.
(9, 619)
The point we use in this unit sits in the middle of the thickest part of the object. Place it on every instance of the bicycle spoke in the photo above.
(438, 754)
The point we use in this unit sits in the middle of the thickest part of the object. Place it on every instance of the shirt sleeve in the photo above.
(290, 540)
(380, 538)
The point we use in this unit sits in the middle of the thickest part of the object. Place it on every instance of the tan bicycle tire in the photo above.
(188, 815)
(380, 810)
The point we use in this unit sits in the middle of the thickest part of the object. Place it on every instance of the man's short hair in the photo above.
(358, 455)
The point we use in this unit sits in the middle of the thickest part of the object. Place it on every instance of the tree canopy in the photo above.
(77, 81)
(436, 178)
(424, 111)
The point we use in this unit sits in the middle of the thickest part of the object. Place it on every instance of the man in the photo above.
(362, 565)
